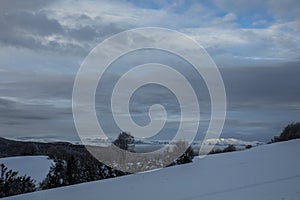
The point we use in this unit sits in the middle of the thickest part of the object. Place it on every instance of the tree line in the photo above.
(73, 168)
(69, 169)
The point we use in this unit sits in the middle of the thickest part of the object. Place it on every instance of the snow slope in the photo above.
(265, 172)
(35, 166)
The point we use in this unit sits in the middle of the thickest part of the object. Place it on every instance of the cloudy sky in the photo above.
(255, 44)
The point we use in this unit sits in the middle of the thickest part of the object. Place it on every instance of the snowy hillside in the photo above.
(265, 172)
(35, 166)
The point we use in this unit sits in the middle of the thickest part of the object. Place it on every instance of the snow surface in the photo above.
(264, 172)
(36, 167)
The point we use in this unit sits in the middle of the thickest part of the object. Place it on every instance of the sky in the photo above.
(255, 44)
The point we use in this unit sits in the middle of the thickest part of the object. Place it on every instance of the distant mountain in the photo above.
(10, 148)
(216, 141)
(231, 141)
(18, 148)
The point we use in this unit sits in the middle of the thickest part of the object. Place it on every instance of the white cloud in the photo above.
(82, 25)
(279, 41)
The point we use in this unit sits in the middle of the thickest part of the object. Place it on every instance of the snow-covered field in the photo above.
(35, 166)
(265, 172)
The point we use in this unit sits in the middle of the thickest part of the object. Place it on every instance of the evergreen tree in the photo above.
(186, 157)
(230, 148)
(56, 176)
(12, 184)
(124, 140)
(291, 131)
(72, 172)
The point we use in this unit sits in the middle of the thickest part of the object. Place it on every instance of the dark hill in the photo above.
(10, 148)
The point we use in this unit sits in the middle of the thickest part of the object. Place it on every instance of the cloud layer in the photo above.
(43, 43)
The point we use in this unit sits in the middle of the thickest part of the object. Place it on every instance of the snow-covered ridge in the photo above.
(108, 141)
(265, 172)
(230, 141)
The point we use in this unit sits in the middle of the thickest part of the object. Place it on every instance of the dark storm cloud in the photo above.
(37, 108)
(36, 23)
(92, 33)
(22, 113)
(14, 112)
(39, 87)
(28, 25)
(43, 43)
(263, 86)
(21, 22)
(43, 103)
(86, 33)
(11, 5)
(33, 105)
(26, 29)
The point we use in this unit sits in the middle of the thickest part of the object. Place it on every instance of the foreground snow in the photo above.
(265, 172)
(36, 167)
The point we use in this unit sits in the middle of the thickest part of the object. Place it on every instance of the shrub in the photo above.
(291, 131)
(12, 184)
(75, 170)
(229, 148)
(124, 141)
(187, 155)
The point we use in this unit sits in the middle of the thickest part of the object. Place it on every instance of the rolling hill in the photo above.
(265, 172)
